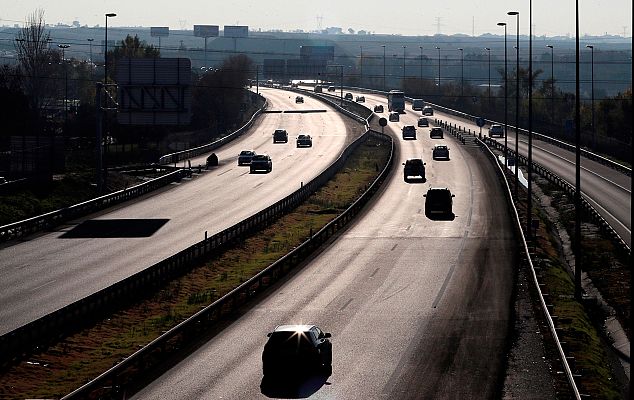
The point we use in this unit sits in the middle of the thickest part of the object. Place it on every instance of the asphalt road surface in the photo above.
(417, 308)
(45, 272)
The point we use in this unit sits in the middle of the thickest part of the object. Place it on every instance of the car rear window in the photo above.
(439, 196)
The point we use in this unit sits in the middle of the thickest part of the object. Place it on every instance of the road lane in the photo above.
(44, 272)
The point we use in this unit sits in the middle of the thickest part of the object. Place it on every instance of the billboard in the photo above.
(236, 31)
(206, 30)
(159, 31)
(154, 91)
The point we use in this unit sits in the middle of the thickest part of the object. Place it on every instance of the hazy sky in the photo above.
(407, 17)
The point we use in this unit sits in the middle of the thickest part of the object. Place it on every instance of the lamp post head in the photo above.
(487, 48)
(513, 13)
(460, 48)
(437, 48)
(590, 46)
(550, 46)
(90, 40)
(501, 23)
(111, 15)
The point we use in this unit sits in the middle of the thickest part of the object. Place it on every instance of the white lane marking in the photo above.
(607, 212)
(41, 286)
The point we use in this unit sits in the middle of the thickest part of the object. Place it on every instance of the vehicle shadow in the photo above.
(441, 217)
(415, 180)
(292, 386)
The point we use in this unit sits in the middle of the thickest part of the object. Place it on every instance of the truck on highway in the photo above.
(396, 101)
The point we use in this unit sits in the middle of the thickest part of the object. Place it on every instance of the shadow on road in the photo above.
(115, 228)
(292, 386)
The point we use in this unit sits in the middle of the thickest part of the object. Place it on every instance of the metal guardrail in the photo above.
(588, 154)
(113, 379)
(175, 157)
(45, 221)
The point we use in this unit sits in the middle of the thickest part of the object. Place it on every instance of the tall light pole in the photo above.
(404, 47)
(64, 47)
(529, 198)
(517, 99)
(577, 236)
(361, 78)
(438, 48)
(488, 49)
(91, 64)
(461, 72)
(421, 65)
(383, 66)
(506, 91)
(552, 82)
(591, 47)
(105, 79)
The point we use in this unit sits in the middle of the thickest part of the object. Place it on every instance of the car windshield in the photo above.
(246, 153)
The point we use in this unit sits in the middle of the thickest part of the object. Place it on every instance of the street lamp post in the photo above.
(529, 197)
(105, 79)
(577, 235)
(361, 77)
(505, 96)
(383, 66)
(438, 48)
(517, 98)
(91, 64)
(404, 47)
(488, 49)
(591, 47)
(421, 64)
(461, 72)
(552, 82)
(64, 47)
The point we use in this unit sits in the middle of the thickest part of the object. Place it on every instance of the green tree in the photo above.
(130, 47)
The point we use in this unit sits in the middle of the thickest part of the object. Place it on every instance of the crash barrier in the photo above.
(565, 360)
(114, 380)
(60, 323)
(46, 221)
(553, 178)
(588, 154)
(175, 157)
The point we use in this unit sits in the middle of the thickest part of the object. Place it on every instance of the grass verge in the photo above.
(81, 357)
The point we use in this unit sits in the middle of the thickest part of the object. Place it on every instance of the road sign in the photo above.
(480, 121)
(382, 121)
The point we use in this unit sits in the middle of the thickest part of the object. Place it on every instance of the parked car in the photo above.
(280, 135)
(427, 110)
(299, 99)
(304, 141)
(297, 348)
(331, 88)
(422, 121)
(394, 117)
(378, 108)
(360, 99)
(409, 132)
(438, 201)
(440, 152)
(496, 130)
(413, 167)
(245, 157)
(436, 133)
(261, 162)
(348, 96)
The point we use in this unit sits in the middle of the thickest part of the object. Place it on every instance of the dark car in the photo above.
(378, 108)
(299, 99)
(440, 152)
(304, 141)
(438, 201)
(413, 167)
(422, 121)
(496, 130)
(261, 162)
(427, 110)
(297, 348)
(360, 99)
(348, 96)
(280, 135)
(436, 133)
(394, 117)
(409, 132)
(331, 88)
(245, 157)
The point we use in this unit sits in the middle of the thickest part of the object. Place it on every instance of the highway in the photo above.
(607, 190)
(47, 271)
(417, 308)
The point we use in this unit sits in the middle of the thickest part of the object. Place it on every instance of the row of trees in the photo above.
(33, 92)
